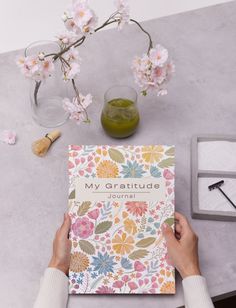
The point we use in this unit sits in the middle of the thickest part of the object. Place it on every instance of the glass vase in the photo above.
(47, 96)
(120, 115)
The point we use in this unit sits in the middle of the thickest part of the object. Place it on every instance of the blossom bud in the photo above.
(41, 56)
(64, 17)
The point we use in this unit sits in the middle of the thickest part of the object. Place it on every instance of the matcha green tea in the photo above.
(120, 118)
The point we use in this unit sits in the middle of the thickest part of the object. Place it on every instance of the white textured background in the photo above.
(25, 21)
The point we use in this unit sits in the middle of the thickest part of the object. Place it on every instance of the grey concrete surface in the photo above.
(33, 191)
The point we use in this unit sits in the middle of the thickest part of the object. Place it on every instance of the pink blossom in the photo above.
(152, 71)
(72, 71)
(70, 25)
(118, 284)
(67, 38)
(158, 55)
(139, 267)
(8, 137)
(76, 108)
(36, 67)
(132, 285)
(72, 55)
(123, 13)
(82, 227)
(81, 19)
(93, 214)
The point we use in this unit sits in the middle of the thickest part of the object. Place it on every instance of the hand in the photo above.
(62, 247)
(182, 246)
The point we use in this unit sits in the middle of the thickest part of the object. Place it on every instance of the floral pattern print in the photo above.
(132, 170)
(123, 244)
(82, 227)
(107, 169)
(152, 153)
(117, 246)
(136, 208)
(79, 262)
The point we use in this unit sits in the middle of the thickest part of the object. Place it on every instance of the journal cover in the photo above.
(119, 198)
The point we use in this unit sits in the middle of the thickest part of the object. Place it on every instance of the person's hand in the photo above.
(62, 247)
(182, 246)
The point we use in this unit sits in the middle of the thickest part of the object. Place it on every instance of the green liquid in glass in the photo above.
(120, 118)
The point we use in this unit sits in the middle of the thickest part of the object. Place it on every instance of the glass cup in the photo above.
(47, 96)
(120, 115)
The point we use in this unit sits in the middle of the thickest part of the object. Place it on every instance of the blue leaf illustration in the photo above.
(157, 225)
(155, 172)
(140, 235)
(126, 264)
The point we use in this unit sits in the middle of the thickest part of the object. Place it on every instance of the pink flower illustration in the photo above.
(118, 284)
(82, 227)
(168, 175)
(93, 214)
(125, 278)
(139, 267)
(132, 285)
(136, 208)
(105, 290)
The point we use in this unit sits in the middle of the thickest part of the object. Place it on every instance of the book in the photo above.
(119, 197)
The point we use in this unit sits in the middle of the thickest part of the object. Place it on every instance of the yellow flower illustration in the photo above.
(168, 287)
(152, 153)
(79, 262)
(130, 226)
(123, 244)
(110, 275)
(107, 169)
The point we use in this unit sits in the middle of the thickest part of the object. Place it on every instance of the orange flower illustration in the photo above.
(107, 169)
(123, 244)
(152, 153)
(130, 226)
(79, 262)
(168, 287)
(136, 208)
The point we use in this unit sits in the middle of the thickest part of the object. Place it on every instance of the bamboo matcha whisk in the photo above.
(40, 147)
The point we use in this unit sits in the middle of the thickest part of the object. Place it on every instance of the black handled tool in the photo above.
(217, 186)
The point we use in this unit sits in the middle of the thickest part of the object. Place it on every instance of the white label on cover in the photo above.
(120, 189)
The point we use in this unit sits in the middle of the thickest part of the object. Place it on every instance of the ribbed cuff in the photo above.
(196, 293)
(53, 291)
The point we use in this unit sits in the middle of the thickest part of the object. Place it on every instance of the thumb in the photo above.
(168, 235)
(65, 228)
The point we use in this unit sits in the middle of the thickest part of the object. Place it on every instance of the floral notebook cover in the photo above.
(119, 198)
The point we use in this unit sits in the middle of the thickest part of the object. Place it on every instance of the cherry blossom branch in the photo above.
(78, 98)
(149, 36)
(68, 48)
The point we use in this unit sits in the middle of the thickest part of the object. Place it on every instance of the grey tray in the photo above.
(196, 211)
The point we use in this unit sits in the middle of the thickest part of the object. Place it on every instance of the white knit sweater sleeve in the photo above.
(53, 292)
(196, 294)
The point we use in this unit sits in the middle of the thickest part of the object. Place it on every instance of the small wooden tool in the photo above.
(40, 147)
